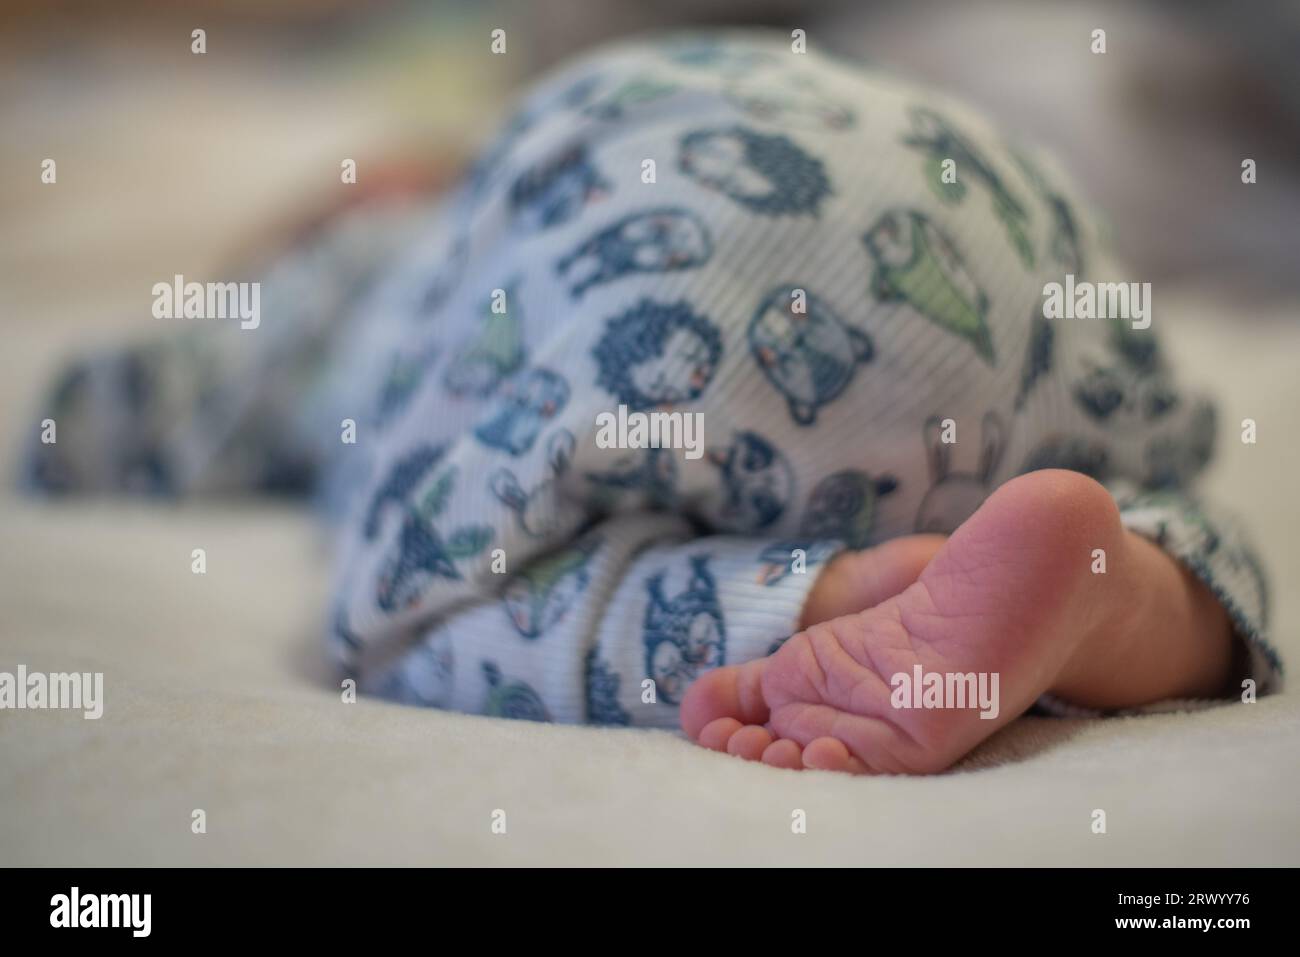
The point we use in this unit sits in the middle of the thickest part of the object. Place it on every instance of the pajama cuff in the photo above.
(763, 588)
(697, 604)
(1213, 546)
(761, 585)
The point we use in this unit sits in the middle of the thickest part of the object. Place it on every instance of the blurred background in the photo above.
(170, 162)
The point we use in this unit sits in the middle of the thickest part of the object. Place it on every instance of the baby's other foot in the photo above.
(1009, 597)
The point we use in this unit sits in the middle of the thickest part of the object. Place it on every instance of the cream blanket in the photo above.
(216, 698)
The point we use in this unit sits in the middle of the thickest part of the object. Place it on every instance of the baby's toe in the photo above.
(735, 691)
(831, 754)
(784, 753)
(717, 733)
(749, 742)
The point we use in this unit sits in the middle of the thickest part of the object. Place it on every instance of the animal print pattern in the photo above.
(942, 142)
(917, 264)
(807, 352)
(655, 240)
(764, 172)
(657, 354)
(685, 633)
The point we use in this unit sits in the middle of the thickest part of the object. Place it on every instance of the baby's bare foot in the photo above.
(1012, 593)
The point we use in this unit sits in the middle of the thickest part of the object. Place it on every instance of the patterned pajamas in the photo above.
(713, 225)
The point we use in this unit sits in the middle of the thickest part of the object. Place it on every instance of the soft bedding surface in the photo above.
(217, 698)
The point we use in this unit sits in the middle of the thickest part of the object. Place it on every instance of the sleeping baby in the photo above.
(726, 393)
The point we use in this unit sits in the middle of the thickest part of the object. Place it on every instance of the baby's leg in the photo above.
(200, 406)
(1012, 593)
(824, 321)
